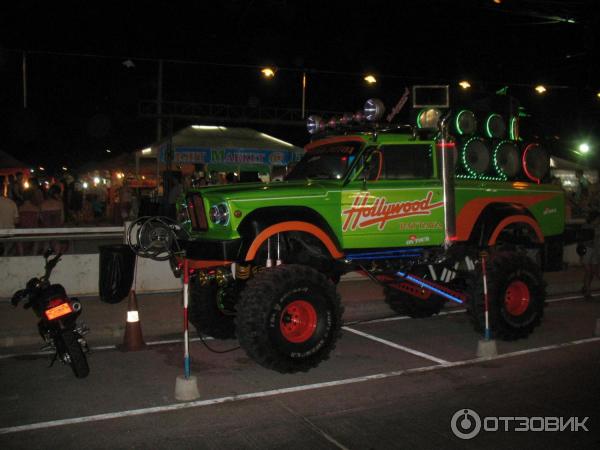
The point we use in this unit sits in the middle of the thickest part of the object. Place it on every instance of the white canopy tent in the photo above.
(224, 149)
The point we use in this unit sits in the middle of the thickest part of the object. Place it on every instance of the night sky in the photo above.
(82, 99)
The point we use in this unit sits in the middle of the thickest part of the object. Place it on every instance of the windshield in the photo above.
(329, 161)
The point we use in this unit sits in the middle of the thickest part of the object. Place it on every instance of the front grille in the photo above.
(196, 211)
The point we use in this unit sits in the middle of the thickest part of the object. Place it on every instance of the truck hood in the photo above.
(261, 190)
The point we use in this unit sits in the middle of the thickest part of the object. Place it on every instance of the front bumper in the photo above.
(212, 249)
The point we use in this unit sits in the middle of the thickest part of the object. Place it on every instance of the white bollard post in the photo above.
(486, 347)
(186, 386)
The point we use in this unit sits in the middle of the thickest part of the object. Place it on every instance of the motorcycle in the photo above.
(58, 318)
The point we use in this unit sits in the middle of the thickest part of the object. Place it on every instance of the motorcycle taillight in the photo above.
(57, 308)
(55, 302)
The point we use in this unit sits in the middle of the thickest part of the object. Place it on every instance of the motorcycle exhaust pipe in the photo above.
(76, 305)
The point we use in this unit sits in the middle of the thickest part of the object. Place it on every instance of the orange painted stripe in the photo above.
(470, 212)
(293, 225)
(516, 219)
(333, 140)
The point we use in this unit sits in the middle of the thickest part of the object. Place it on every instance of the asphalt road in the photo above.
(392, 383)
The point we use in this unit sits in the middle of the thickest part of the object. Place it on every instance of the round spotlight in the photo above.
(374, 109)
(465, 122)
(495, 127)
(314, 124)
(428, 118)
(359, 116)
(346, 119)
(476, 156)
(332, 123)
(506, 159)
(584, 148)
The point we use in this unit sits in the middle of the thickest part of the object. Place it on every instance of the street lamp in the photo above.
(540, 89)
(464, 84)
(584, 148)
(268, 72)
(369, 78)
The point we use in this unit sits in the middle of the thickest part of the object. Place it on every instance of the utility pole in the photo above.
(24, 80)
(159, 95)
(303, 95)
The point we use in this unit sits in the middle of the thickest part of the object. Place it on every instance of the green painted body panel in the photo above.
(386, 213)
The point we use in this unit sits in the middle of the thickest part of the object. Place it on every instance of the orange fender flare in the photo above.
(294, 225)
(516, 219)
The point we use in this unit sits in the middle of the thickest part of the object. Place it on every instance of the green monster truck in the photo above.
(413, 207)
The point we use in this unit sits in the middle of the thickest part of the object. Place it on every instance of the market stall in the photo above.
(10, 166)
(217, 151)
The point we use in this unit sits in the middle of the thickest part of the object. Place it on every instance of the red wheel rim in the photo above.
(298, 321)
(517, 298)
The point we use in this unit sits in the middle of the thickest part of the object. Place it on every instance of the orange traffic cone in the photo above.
(133, 339)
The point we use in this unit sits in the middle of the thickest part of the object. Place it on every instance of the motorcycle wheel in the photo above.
(67, 344)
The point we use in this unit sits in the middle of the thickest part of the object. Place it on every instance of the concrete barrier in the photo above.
(79, 274)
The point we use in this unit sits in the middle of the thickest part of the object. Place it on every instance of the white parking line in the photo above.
(274, 392)
(394, 318)
(562, 299)
(397, 346)
(455, 311)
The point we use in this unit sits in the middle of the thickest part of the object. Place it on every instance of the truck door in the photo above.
(401, 203)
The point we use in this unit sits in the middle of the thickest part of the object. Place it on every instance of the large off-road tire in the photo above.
(516, 293)
(289, 318)
(408, 305)
(69, 350)
(206, 315)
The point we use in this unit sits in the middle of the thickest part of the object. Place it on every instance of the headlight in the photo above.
(219, 214)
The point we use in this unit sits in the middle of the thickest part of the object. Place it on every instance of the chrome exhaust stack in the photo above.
(445, 151)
